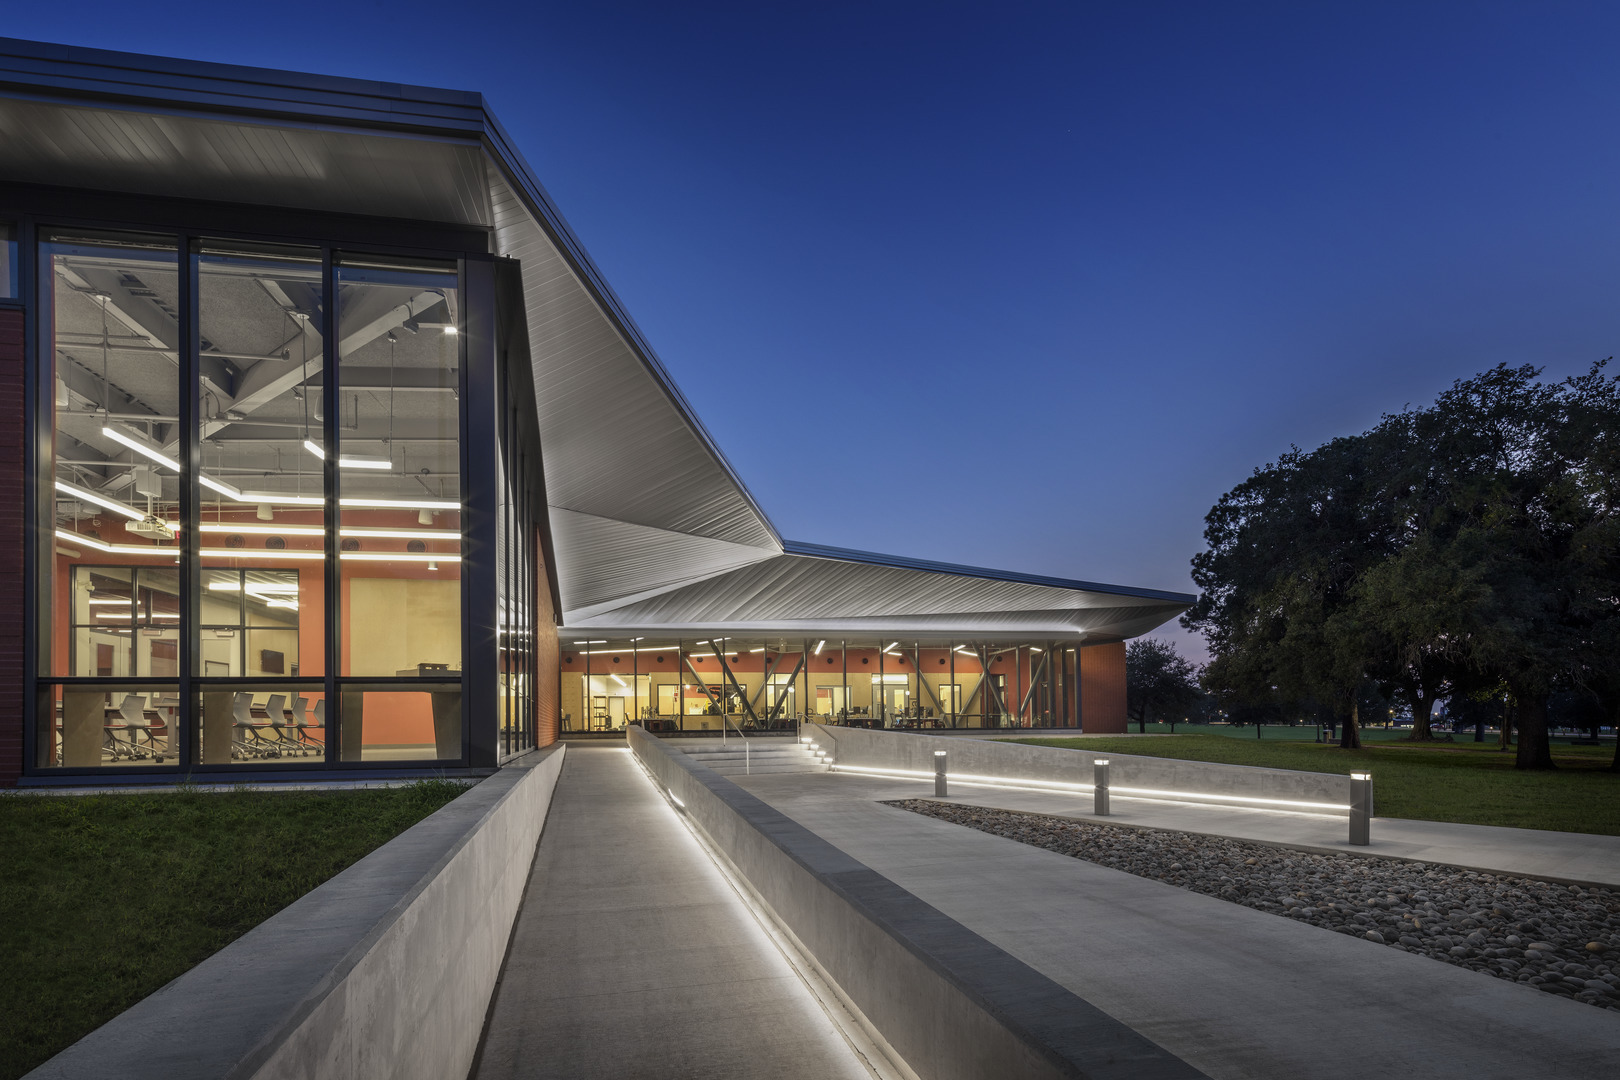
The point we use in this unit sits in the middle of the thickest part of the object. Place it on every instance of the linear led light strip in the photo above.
(1054, 785)
(349, 462)
(242, 553)
(249, 496)
(316, 530)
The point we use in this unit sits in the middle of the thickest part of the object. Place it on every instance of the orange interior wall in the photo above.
(548, 670)
(1102, 688)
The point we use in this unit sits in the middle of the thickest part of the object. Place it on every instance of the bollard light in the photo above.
(1099, 790)
(939, 774)
(1361, 808)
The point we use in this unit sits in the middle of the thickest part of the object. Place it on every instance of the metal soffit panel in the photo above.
(232, 160)
(615, 562)
(615, 442)
(792, 592)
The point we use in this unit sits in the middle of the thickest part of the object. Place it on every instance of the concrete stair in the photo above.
(760, 756)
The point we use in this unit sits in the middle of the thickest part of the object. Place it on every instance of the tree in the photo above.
(1287, 548)
(1469, 545)
(1158, 680)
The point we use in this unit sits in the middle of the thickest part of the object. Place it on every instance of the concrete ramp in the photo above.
(634, 957)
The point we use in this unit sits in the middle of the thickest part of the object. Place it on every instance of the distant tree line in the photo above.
(1466, 550)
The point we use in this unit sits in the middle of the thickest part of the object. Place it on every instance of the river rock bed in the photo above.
(1563, 939)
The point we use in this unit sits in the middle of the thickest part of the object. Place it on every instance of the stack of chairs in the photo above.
(247, 733)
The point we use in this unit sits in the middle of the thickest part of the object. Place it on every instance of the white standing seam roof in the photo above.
(652, 529)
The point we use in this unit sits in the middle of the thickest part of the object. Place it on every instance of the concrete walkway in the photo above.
(1580, 857)
(633, 956)
(1235, 992)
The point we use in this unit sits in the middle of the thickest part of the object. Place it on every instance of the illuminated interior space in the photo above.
(335, 453)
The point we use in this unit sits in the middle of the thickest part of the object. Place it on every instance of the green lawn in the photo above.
(1468, 782)
(105, 898)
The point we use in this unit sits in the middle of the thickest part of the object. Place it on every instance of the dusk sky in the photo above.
(1028, 285)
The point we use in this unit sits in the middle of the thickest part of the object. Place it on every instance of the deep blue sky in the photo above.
(1029, 285)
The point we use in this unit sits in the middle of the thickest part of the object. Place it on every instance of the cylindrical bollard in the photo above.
(1361, 808)
(939, 773)
(1099, 791)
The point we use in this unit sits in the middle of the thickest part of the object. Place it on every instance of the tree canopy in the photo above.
(1158, 680)
(1469, 544)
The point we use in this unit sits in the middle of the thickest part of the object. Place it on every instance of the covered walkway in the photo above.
(633, 956)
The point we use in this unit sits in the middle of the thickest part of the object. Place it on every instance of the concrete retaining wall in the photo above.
(385, 970)
(952, 1005)
(1014, 762)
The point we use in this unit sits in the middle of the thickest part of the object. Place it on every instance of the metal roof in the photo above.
(652, 525)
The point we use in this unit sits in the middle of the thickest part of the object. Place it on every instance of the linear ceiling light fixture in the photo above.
(348, 462)
(99, 500)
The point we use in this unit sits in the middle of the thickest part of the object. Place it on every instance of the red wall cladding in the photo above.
(12, 627)
(1102, 688)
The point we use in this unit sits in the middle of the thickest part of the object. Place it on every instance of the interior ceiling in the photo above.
(652, 526)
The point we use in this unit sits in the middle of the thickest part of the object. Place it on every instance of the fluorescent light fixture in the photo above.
(259, 530)
(99, 500)
(963, 651)
(602, 642)
(116, 549)
(1036, 648)
(141, 448)
(393, 556)
(288, 589)
(402, 504)
(223, 489)
(348, 462)
(109, 600)
(819, 646)
(760, 649)
(261, 553)
(165, 614)
(620, 681)
(283, 604)
(890, 645)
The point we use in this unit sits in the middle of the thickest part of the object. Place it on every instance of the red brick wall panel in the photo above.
(13, 517)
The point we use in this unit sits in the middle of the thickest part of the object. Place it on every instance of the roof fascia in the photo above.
(823, 551)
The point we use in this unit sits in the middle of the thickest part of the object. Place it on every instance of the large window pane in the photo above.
(8, 262)
(108, 724)
(246, 723)
(110, 335)
(260, 415)
(401, 723)
(399, 470)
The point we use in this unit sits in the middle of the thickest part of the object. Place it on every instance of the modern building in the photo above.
(324, 446)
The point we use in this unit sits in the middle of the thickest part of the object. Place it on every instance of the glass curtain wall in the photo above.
(398, 458)
(109, 592)
(277, 445)
(261, 532)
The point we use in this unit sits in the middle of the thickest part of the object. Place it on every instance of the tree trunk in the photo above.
(1423, 718)
(1351, 738)
(1504, 737)
(1614, 725)
(1534, 750)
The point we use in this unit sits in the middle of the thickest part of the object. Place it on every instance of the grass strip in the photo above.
(1465, 782)
(106, 898)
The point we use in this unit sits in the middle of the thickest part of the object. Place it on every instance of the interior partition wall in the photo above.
(265, 529)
